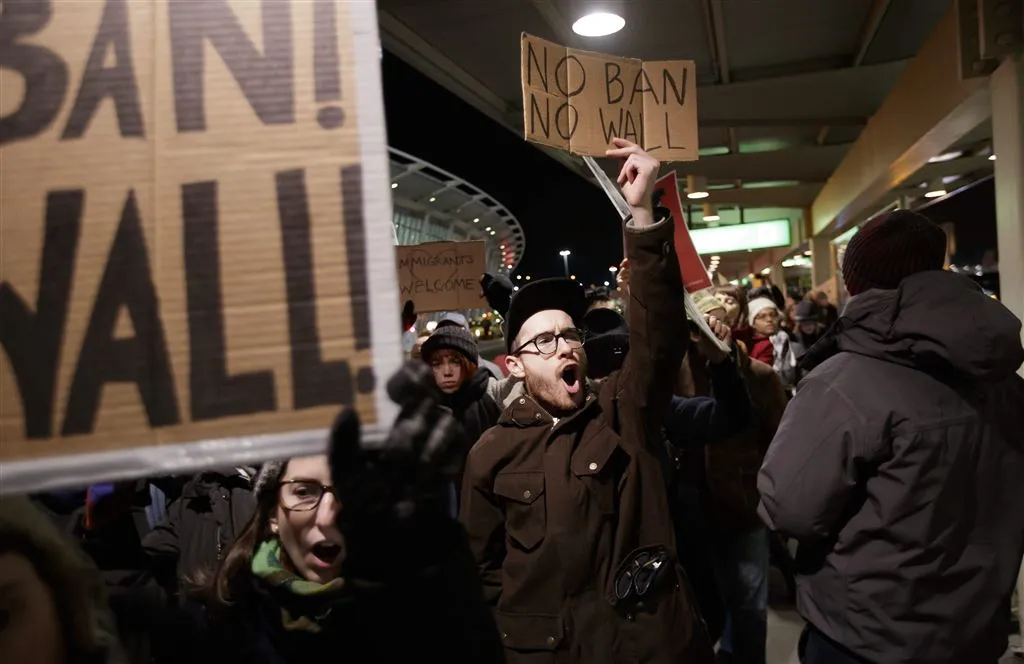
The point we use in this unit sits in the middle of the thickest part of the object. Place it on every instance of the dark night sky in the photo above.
(973, 211)
(556, 208)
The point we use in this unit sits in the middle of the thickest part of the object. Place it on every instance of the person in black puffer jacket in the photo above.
(452, 353)
(200, 525)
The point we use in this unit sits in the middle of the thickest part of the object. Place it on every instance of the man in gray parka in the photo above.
(899, 466)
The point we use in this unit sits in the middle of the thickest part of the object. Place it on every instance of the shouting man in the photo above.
(564, 500)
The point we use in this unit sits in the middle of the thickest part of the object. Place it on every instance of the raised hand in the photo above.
(724, 334)
(396, 493)
(636, 179)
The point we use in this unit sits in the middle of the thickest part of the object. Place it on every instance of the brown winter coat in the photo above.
(553, 509)
(730, 466)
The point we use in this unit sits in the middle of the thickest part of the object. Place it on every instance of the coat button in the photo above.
(536, 416)
(629, 617)
(592, 466)
(522, 401)
(551, 640)
(666, 249)
(527, 494)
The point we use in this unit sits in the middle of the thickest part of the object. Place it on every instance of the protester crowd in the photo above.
(617, 492)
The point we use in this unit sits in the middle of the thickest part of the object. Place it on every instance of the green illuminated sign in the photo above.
(740, 237)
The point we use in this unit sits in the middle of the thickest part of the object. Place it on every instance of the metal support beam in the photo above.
(927, 110)
(1007, 87)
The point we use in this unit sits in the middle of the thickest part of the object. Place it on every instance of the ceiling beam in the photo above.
(870, 29)
(852, 121)
(793, 196)
(908, 129)
(806, 163)
(715, 20)
(867, 37)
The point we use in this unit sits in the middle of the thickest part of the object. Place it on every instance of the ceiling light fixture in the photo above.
(935, 189)
(394, 185)
(696, 187)
(487, 230)
(991, 157)
(476, 220)
(948, 156)
(432, 199)
(711, 212)
(598, 24)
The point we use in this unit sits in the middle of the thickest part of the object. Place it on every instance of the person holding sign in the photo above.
(564, 500)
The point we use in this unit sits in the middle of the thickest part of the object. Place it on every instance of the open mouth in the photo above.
(571, 377)
(326, 552)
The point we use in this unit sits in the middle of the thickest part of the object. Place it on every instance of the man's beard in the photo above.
(551, 395)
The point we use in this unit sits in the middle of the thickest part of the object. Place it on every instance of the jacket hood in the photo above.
(938, 322)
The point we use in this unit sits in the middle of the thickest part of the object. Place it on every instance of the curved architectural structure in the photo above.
(431, 204)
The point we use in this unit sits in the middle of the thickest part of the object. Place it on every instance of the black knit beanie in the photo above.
(454, 337)
(890, 248)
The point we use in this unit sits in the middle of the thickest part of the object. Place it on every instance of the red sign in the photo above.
(694, 273)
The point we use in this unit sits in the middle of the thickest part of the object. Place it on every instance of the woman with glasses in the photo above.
(347, 556)
(278, 594)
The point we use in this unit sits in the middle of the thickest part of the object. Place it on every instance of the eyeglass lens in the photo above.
(548, 341)
(301, 496)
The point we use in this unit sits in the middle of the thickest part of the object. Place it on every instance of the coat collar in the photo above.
(523, 411)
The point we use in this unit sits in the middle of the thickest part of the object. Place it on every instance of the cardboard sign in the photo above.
(578, 100)
(187, 253)
(441, 276)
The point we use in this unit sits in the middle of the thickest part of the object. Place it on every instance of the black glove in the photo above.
(498, 291)
(396, 497)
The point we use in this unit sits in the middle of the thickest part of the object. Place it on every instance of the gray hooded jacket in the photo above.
(899, 467)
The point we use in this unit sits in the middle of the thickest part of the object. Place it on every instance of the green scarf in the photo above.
(304, 604)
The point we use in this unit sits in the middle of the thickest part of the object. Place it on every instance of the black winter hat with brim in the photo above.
(452, 337)
(558, 294)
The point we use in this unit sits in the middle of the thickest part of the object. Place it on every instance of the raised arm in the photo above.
(657, 323)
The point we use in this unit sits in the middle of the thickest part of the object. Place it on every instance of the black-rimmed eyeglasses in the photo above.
(302, 495)
(546, 343)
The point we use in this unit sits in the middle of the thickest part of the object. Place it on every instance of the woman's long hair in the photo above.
(221, 589)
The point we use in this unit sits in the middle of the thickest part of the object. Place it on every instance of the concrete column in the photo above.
(1007, 86)
(821, 260)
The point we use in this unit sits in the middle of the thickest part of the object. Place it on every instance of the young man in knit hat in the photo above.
(898, 465)
(564, 501)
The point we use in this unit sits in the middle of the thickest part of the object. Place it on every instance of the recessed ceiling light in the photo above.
(394, 185)
(948, 156)
(476, 220)
(598, 24)
(991, 157)
(935, 193)
(487, 229)
(492, 232)
(698, 195)
(433, 198)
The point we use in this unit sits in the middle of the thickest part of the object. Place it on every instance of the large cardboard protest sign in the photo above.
(187, 253)
(578, 100)
(441, 276)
